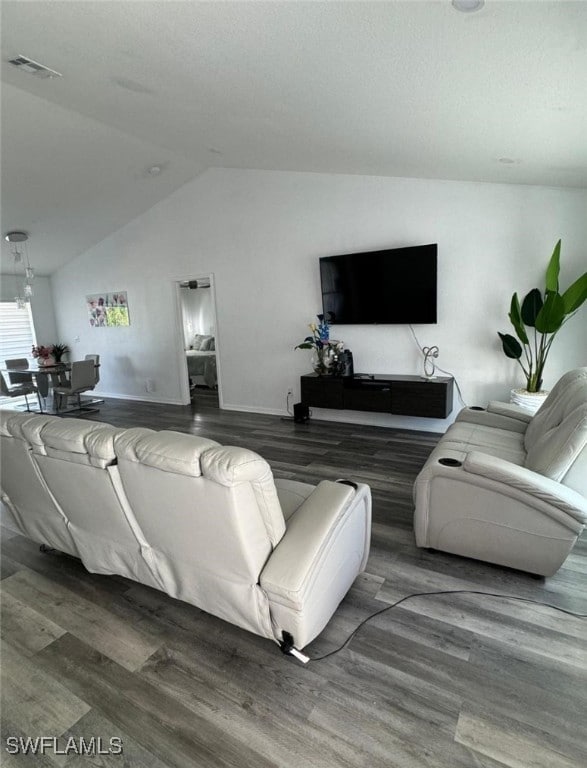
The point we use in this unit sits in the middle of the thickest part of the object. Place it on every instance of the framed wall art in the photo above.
(108, 310)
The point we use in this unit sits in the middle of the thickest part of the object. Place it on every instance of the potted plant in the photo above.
(538, 319)
(58, 350)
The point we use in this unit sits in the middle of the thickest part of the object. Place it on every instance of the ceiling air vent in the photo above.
(33, 67)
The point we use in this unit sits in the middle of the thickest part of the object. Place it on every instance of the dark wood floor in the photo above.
(446, 681)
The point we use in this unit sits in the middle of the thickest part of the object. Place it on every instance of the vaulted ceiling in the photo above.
(386, 88)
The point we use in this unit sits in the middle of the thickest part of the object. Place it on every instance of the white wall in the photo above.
(41, 306)
(261, 234)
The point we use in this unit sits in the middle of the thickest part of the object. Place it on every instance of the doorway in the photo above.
(199, 342)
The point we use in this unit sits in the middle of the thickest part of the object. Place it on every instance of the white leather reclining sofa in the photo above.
(508, 487)
(205, 523)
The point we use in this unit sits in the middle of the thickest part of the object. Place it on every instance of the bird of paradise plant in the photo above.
(539, 318)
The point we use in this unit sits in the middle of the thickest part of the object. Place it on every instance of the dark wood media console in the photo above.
(400, 395)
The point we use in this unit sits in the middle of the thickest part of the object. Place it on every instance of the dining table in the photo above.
(45, 378)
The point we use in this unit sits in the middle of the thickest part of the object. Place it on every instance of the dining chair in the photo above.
(81, 379)
(20, 390)
(96, 359)
(17, 377)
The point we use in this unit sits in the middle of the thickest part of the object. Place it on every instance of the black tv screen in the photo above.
(397, 285)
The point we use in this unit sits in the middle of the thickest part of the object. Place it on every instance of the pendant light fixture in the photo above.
(20, 254)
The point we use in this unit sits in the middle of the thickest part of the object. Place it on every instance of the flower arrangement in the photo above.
(326, 351)
(320, 335)
(43, 352)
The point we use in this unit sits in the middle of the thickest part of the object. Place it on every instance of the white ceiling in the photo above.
(387, 88)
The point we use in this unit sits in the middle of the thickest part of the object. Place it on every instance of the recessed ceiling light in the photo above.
(154, 170)
(468, 6)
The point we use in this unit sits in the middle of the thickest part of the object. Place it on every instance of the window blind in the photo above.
(16, 337)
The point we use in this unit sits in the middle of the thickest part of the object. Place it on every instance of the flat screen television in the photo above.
(396, 285)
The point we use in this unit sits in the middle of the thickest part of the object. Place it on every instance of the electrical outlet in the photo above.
(290, 391)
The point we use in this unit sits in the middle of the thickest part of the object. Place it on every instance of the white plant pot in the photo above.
(531, 401)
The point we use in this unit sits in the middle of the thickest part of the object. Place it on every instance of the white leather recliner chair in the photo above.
(508, 487)
(77, 463)
(205, 523)
(30, 506)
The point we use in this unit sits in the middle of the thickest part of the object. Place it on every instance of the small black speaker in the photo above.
(347, 363)
(301, 413)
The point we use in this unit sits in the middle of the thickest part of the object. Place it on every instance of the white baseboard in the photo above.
(140, 398)
(255, 409)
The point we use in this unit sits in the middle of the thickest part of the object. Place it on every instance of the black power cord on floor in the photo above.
(443, 592)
